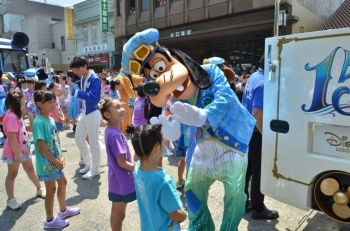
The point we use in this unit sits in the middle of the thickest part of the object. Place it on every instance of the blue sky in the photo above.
(63, 2)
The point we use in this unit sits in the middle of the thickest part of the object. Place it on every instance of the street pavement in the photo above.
(91, 197)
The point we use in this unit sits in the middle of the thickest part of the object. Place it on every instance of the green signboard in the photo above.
(104, 15)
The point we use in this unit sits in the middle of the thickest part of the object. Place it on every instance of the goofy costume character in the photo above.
(223, 126)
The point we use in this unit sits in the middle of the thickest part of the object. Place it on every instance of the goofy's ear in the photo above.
(198, 75)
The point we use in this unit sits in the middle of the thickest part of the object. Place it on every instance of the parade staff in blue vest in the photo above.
(253, 97)
(89, 120)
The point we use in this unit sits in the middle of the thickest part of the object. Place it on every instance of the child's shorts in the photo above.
(122, 198)
(12, 160)
(55, 176)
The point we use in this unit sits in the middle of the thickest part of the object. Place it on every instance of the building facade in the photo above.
(48, 42)
(232, 29)
(95, 45)
(13, 12)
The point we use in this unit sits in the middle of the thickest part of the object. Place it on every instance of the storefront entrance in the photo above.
(98, 62)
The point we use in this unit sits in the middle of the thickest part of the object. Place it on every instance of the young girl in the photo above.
(64, 97)
(158, 201)
(114, 89)
(17, 147)
(50, 161)
(30, 105)
(120, 165)
(139, 116)
(2, 110)
(40, 85)
(57, 114)
(73, 110)
(104, 86)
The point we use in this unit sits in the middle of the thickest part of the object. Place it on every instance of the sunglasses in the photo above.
(142, 54)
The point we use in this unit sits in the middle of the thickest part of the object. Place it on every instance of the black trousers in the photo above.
(254, 173)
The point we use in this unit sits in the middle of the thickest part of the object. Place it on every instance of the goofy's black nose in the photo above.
(150, 88)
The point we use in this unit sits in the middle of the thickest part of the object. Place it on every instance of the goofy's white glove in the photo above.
(170, 129)
(187, 114)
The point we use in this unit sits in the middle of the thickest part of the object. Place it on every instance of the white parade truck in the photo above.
(306, 123)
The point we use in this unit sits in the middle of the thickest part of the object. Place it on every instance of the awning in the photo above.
(340, 18)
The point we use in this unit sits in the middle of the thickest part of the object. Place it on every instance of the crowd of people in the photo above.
(86, 101)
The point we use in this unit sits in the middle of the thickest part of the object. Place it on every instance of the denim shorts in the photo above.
(122, 198)
(57, 175)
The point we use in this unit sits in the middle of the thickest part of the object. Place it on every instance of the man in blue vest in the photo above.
(253, 97)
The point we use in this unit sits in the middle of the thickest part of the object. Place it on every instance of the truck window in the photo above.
(13, 61)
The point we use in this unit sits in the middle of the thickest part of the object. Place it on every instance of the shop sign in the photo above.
(97, 59)
(101, 47)
(104, 15)
(68, 17)
(180, 33)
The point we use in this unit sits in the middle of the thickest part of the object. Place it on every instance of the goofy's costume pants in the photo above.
(211, 162)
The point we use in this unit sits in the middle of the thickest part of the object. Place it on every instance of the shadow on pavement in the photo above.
(321, 221)
(260, 225)
(172, 160)
(87, 189)
(9, 217)
(70, 135)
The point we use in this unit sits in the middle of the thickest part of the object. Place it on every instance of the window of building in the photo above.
(53, 45)
(132, 8)
(119, 12)
(144, 5)
(63, 43)
(160, 3)
(94, 33)
(172, 1)
(104, 36)
(85, 35)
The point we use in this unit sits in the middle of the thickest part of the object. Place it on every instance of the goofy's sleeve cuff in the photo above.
(202, 117)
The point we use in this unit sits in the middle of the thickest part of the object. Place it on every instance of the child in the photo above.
(73, 110)
(30, 105)
(158, 201)
(2, 110)
(139, 116)
(57, 114)
(64, 97)
(50, 161)
(114, 89)
(17, 147)
(40, 85)
(120, 165)
(104, 86)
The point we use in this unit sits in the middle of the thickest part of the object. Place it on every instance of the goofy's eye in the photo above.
(159, 66)
(153, 74)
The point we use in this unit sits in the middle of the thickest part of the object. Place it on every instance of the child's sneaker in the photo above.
(41, 193)
(69, 212)
(180, 184)
(13, 204)
(56, 223)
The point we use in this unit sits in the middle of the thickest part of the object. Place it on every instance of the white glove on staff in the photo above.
(171, 129)
(187, 114)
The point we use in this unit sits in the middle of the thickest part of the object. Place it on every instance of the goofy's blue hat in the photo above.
(138, 49)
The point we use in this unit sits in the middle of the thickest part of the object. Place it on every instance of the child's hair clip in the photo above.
(100, 104)
(15, 95)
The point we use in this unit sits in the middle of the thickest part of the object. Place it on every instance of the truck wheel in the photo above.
(332, 195)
